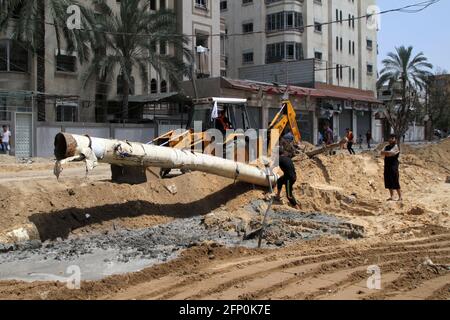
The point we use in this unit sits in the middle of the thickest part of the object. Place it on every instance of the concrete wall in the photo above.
(415, 133)
(46, 132)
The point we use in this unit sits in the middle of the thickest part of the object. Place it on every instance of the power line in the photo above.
(412, 8)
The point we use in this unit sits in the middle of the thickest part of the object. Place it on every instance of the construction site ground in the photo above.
(194, 236)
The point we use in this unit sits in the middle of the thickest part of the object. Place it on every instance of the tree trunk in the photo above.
(40, 64)
(126, 95)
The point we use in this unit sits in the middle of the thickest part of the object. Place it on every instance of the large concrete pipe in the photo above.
(69, 147)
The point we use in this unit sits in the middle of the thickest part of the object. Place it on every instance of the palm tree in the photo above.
(127, 41)
(26, 20)
(411, 74)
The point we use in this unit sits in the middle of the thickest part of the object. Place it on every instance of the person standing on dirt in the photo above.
(369, 139)
(5, 135)
(350, 141)
(391, 168)
(288, 179)
(328, 135)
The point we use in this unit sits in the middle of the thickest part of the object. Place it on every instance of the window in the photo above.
(245, 2)
(369, 44)
(163, 48)
(13, 56)
(284, 20)
(202, 4)
(317, 27)
(153, 5)
(318, 55)
(66, 63)
(283, 51)
(67, 112)
(4, 57)
(247, 27)
(162, 4)
(247, 57)
(369, 69)
(201, 40)
(163, 86)
(223, 5)
(153, 86)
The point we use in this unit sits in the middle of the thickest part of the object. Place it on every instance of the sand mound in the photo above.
(344, 185)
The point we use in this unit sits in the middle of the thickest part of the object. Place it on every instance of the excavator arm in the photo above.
(286, 116)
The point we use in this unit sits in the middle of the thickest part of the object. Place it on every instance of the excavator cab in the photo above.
(203, 116)
(235, 110)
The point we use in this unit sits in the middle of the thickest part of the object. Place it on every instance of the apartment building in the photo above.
(289, 41)
(68, 101)
(272, 31)
(199, 19)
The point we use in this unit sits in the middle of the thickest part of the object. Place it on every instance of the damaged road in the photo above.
(125, 251)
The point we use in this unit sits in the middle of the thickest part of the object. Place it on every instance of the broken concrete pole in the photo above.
(69, 147)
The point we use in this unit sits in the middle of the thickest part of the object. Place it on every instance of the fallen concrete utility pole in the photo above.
(69, 147)
(326, 149)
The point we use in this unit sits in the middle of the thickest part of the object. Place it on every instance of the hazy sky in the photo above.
(427, 31)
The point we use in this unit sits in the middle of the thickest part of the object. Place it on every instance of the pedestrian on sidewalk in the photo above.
(391, 168)
(288, 179)
(5, 138)
(360, 141)
(350, 141)
(369, 139)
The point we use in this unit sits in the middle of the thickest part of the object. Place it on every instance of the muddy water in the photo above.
(99, 256)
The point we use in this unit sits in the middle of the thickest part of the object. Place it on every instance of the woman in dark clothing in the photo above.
(369, 138)
(391, 168)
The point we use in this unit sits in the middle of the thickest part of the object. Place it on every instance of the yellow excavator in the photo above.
(236, 113)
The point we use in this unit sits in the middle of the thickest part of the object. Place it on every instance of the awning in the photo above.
(332, 93)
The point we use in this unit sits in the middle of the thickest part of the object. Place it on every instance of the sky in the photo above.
(427, 31)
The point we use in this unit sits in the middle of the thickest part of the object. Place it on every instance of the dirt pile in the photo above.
(77, 205)
(348, 186)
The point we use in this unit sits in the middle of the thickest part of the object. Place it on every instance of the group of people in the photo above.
(5, 136)
(391, 154)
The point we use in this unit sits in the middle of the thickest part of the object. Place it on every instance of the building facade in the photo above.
(69, 101)
(272, 31)
(274, 40)
(197, 19)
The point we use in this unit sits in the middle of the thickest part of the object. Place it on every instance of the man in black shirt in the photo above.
(288, 179)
